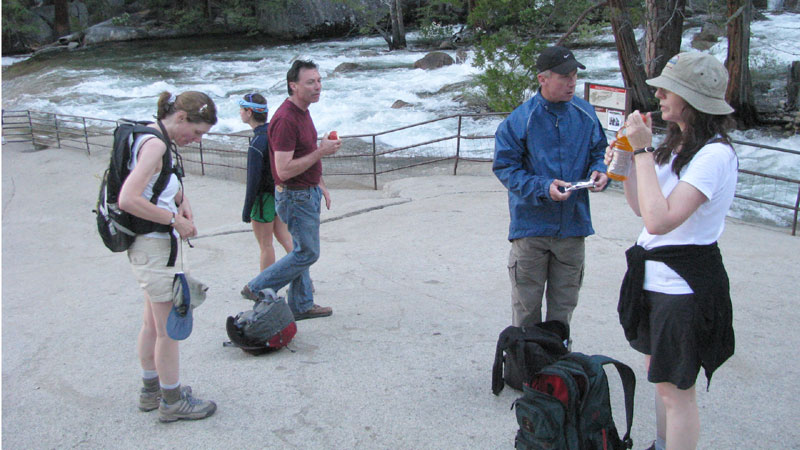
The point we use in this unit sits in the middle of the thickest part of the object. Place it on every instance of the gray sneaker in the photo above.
(149, 400)
(187, 408)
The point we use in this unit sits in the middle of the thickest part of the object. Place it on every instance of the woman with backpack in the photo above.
(182, 120)
(675, 305)
(259, 200)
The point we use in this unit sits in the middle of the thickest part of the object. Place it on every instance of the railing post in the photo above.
(86, 137)
(30, 127)
(796, 207)
(374, 164)
(58, 135)
(458, 145)
(202, 163)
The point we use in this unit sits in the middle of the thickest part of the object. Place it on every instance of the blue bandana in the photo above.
(256, 107)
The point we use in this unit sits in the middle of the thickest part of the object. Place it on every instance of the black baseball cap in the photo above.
(558, 59)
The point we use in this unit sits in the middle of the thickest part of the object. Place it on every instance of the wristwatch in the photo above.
(172, 221)
(644, 150)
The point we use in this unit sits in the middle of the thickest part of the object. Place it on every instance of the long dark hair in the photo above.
(700, 129)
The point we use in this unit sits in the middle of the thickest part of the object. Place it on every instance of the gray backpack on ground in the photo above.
(267, 327)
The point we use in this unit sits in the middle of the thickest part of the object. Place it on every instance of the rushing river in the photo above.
(124, 79)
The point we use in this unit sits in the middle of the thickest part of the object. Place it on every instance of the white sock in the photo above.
(149, 374)
(170, 386)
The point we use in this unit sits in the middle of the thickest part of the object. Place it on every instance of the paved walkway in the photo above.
(416, 276)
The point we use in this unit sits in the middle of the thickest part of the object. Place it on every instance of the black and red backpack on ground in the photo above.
(566, 406)
(523, 351)
(267, 327)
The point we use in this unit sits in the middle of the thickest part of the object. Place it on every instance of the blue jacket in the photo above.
(541, 141)
(259, 172)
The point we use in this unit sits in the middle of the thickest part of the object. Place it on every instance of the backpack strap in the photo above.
(163, 178)
(497, 369)
(628, 386)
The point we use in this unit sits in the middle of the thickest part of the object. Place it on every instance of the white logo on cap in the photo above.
(566, 56)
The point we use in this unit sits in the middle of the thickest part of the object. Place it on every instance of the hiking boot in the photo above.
(187, 408)
(248, 294)
(313, 313)
(149, 400)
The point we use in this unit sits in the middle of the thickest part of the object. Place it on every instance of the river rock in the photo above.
(106, 31)
(348, 67)
(74, 37)
(314, 18)
(400, 104)
(707, 37)
(434, 60)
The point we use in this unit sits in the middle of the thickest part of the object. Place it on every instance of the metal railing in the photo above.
(224, 155)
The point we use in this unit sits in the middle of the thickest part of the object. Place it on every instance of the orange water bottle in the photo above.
(622, 158)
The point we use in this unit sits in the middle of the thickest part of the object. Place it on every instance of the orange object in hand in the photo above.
(333, 136)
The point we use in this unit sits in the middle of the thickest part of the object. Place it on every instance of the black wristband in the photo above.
(644, 150)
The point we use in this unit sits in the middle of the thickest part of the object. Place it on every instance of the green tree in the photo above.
(511, 34)
(16, 23)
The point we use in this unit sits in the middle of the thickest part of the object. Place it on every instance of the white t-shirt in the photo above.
(712, 171)
(167, 198)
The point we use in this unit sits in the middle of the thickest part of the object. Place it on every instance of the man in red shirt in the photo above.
(299, 189)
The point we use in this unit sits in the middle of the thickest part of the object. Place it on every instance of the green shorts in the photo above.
(264, 208)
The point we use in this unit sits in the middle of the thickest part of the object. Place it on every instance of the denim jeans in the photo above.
(300, 210)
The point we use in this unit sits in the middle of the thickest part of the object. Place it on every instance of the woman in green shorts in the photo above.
(259, 201)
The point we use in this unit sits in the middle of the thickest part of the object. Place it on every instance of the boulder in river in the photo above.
(434, 60)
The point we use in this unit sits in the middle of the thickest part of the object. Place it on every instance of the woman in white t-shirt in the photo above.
(675, 303)
(182, 120)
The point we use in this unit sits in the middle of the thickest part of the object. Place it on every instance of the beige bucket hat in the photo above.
(698, 78)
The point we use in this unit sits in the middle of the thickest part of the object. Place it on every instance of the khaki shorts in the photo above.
(148, 257)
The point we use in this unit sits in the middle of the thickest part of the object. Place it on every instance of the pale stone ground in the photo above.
(416, 275)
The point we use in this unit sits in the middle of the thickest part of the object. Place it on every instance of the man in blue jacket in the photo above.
(544, 146)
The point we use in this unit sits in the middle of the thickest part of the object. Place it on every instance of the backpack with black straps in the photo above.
(267, 327)
(117, 228)
(523, 351)
(566, 406)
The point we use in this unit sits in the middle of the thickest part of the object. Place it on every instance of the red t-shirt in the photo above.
(292, 130)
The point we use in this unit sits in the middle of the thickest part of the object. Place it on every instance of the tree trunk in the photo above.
(396, 19)
(793, 87)
(385, 35)
(61, 26)
(740, 93)
(401, 29)
(663, 32)
(630, 62)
